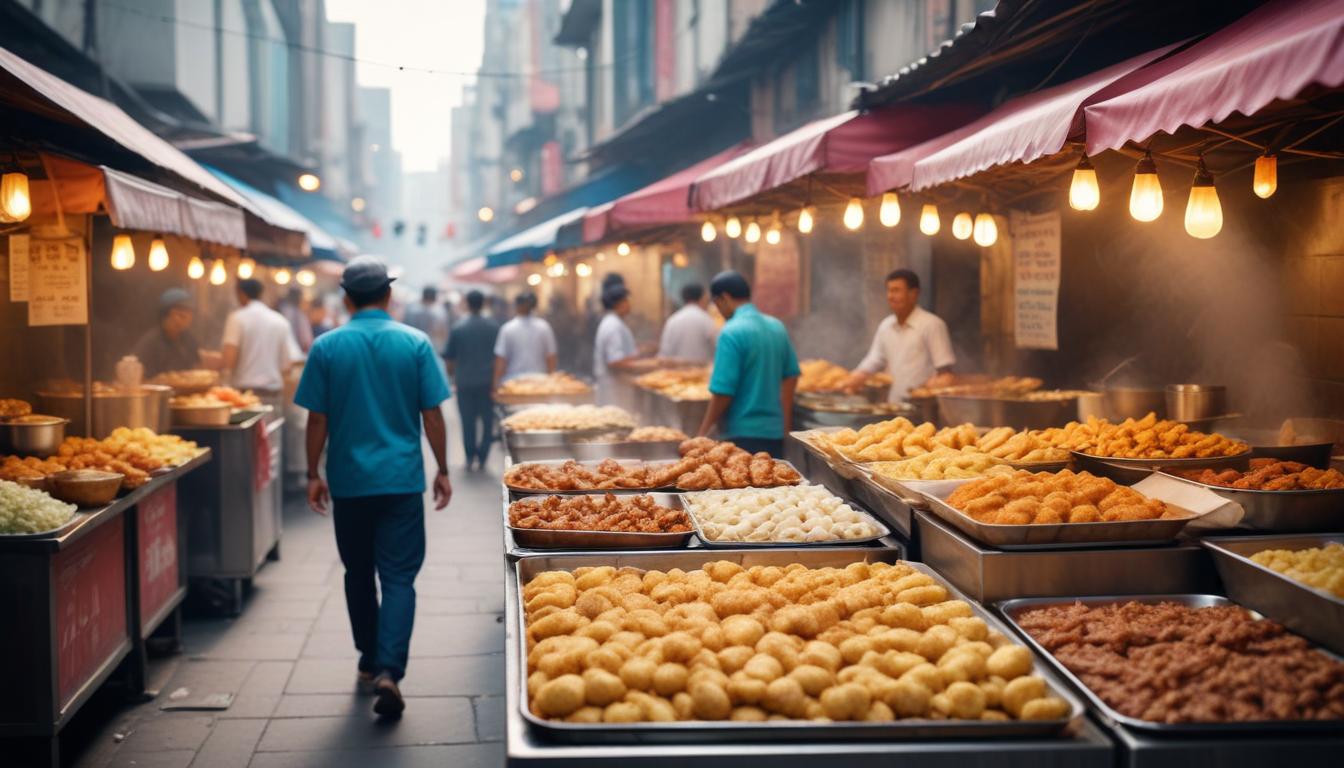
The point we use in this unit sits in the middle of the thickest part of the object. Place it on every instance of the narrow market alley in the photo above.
(289, 661)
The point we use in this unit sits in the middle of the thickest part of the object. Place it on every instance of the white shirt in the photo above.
(266, 346)
(614, 342)
(525, 342)
(911, 352)
(689, 334)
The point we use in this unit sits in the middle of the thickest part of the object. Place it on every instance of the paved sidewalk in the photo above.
(290, 660)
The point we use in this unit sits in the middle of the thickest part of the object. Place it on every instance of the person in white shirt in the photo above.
(526, 344)
(259, 346)
(690, 333)
(614, 346)
(912, 345)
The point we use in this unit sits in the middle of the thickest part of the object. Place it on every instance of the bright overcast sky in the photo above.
(437, 34)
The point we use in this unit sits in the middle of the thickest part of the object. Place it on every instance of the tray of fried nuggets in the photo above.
(691, 647)
(1049, 510)
(599, 521)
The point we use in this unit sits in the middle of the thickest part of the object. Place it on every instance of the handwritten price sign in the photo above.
(58, 282)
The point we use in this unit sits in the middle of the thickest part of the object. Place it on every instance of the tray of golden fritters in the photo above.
(1145, 443)
(599, 521)
(770, 645)
(713, 465)
(1056, 509)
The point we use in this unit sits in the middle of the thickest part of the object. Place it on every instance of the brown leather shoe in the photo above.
(364, 683)
(388, 702)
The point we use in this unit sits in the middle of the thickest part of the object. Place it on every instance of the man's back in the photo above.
(525, 342)
(372, 377)
(471, 347)
(754, 356)
(264, 343)
(689, 334)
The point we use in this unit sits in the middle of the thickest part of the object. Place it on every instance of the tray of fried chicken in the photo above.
(1283, 496)
(1039, 510)
(599, 521)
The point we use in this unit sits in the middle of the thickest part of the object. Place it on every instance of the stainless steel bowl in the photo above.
(1192, 402)
(39, 439)
(1134, 402)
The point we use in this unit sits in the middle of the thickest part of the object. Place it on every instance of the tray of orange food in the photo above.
(1053, 510)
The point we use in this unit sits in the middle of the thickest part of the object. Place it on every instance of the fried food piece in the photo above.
(1026, 498)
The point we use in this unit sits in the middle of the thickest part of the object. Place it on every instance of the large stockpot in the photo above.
(1192, 402)
(146, 406)
(1122, 402)
(42, 438)
(1007, 412)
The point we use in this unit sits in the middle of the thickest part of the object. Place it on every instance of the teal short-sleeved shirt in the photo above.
(753, 357)
(372, 377)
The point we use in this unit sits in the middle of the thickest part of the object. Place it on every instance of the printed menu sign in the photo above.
(58, 285)
(18, 267)
(1036, 279)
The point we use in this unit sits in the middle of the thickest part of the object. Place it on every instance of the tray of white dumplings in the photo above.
(787, 516)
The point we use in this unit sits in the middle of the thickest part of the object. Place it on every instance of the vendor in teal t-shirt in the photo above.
(755, 371)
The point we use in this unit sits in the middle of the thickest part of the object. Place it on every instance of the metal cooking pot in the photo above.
(144, 407)
(1192, 402)
(42, 439)
(1123, 402)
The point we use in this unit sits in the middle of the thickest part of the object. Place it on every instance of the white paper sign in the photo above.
(18, 267)
(1036, 283)
(58, 290)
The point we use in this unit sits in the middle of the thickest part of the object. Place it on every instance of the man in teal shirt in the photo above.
(368, 386)
(755, 371)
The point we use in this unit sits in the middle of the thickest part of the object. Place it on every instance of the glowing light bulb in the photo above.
(772, 235)
(806, 219)
(486, 214)
(358, 204)
(551, 258)
(733, 227)
(753, 232)
(623, 249)
(853, 217)
(708, 232)
(282, 276)
(15, 203)
(583, 269)
(1145, 197)
(306, 277)
(196, 268)
(158, 255)
(246, 268)
(680, 261)
(218, 275)
(309, 182)
(889, 212)
(962, 226)
(1084, 193)
(929, 223)
(534, 279)
(986, 231)
(1203, 213)
(516, 175)
(1266, 175)
(123, 252)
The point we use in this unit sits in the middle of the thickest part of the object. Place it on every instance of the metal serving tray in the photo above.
(1012, 609)
(536, 538)
(816, 464)
(557, 462)
(574, 398)
(654, 450)
(1007, 411)
(702, 732)
(990, 575)
(1063, 535)
(802, 480)
(550, 438)
(1283, 511)
(1311, 612)
(1132, 470)
(885, 506)
(883, 531)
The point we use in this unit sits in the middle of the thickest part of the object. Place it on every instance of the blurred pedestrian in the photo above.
(614, 345)
(526, 344)
(291, 307)
(369, 386)
(259, 346)
(471, 363)
(430, 317)
(690, 333)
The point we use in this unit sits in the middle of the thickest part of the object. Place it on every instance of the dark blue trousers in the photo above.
(473, 404)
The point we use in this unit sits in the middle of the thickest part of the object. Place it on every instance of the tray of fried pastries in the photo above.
(1042, 510)
(784, 516)
(1184, 664)
(825, 644)
(567, 476)
(1275, 495)
(599, 521)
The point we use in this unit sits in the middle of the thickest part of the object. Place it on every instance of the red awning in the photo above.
(666, 201)
(1272, 53)
(840, 144)
(1019, 130)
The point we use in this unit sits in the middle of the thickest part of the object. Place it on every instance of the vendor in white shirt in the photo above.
(690, 333)
(912, 345)
(258, 346)
(614, 347)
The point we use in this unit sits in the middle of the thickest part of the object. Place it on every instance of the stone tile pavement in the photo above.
(291, 663)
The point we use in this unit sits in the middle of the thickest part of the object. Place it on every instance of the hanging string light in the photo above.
(929, 223)
(708, 232)
(306, 277)
(123, 252)
(196, 268)
(534, 279)
(158, 254)
(1084, 193)
(753, 234)
(680, 261)
(773, 235)
(583, 269)
(733, 227)
(853, 217)
(623, 249)
(218, 275)
(246, 268)
(889, 212)
(15, 202)
(806, 220)
(1145, 197)
(1203, 212)
(1266, 175)
(986, 231)
(282, 276)
(962, 226)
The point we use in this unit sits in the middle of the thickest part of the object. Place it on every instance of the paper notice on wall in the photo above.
(18, 267)
(778, 278)
(1036, 279)
(58, 289)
